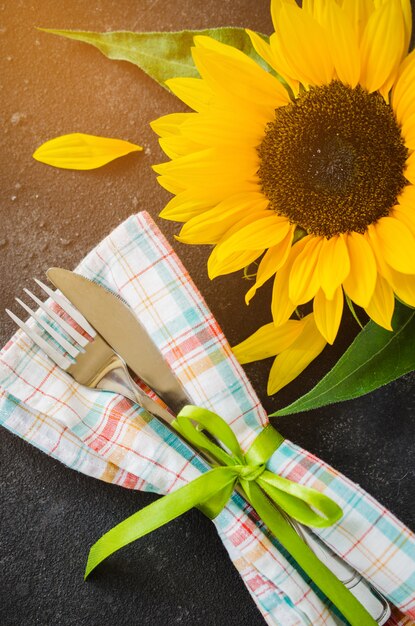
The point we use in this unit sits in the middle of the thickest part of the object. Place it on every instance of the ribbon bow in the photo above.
(272, 496)
(305, 505)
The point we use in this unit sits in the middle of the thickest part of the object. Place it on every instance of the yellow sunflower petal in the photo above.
(281, 305)
(396, 244)
(268, 341)
(358, 12)
(382, 303)
(406, 215)
(246, 221)
(211, 225)
(78, 151)
(408, 131)
(271, 262)
(382, 46)
(312, 7)
(343, 42)
(375, 244)
(273, 55)
(230, 260)
(333, 264)
(261, 47)
(304, 279)
(410, 168)
(407, 196)
(232, 263)
(404, 287)
(170, 184)
(328, 313)
(208, 196)
(192, 91)
(236, 129)
(290, 363)
(403, 93)
(282, 65)
(407, 18)
(305, 45)
(185, 205)
(196, 168)
(177, 146)
(276, 6)
(405, 8)
(168, 125)
(230, 70)
(171, 167)
(262, 233)
(360, 283)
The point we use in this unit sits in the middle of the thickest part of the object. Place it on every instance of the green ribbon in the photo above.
(272, 496)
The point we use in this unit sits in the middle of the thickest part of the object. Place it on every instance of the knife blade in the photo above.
(122, 330)
(114, 320)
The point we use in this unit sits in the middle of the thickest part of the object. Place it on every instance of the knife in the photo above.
(114, 320)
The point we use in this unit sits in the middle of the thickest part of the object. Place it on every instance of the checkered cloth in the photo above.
(106, 436)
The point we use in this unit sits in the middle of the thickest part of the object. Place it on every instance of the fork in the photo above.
(93, 363)
(88, 358)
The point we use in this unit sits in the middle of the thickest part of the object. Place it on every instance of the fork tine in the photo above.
(68, 347)
(72, 332)
(68, 308)
(62, 361)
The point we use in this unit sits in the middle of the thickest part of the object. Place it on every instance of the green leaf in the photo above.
(161, 55)
(375, 358)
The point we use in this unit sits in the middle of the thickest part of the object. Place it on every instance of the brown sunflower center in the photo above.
(333, 160)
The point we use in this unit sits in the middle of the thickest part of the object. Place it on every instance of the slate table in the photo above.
(50, 514)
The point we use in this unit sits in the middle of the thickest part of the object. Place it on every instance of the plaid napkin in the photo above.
(108, 437)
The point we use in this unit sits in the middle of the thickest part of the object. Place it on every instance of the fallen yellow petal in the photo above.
(78, 151)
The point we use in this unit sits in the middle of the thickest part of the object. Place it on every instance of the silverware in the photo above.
(95, 362)
(87, 358)
(373, 601)
(113, 319)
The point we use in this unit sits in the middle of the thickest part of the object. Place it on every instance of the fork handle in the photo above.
(117, 379)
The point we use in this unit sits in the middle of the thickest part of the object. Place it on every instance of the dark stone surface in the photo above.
(49, 514)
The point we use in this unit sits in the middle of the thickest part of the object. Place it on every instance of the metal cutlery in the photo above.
(90, 359)
(87, 358)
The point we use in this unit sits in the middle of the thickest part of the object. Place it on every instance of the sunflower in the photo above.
(304, 164)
